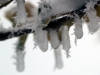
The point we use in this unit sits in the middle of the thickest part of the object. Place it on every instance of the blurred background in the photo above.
(84, 60)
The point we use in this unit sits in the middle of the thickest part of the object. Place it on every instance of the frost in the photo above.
(78, 28)
(65, 39)
(44, 10)
(54, 40)
(58, 58)
(93, 23)
(90, 4)
(41, 38)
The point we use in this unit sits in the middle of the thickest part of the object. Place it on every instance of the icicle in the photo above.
(54, 40)
(20, 54)
(41, 39)
(21, 15)
(78, 28)
(20, 60)
(58, 58)
(65, 39)
(93, 23)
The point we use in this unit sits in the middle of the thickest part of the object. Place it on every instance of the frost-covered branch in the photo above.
(7, 34)
(10, 33)
(53, 24)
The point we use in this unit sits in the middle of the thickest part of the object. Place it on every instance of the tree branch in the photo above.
(54, 24)
(4, 3)
(14, 33)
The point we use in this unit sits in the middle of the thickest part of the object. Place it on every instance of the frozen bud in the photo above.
(54, 40)
(78, 28)
(93, 23)
(41, 38)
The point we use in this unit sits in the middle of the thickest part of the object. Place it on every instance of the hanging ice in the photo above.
(65, 39)
(21, 12)
(93, 23)
(54, 40)
(20, 60)
(58, 58)
(41, 38)
(78, 28)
